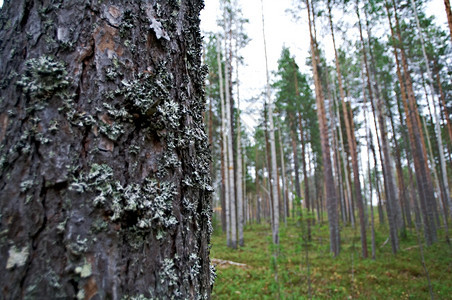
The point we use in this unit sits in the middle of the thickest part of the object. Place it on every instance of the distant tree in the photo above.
(351, 141)
(105, 168)
(416, 137)
(272, 146)
(331, 197)
(382, 140)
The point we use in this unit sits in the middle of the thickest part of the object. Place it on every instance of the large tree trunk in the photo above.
(331, 198)
(105, 184)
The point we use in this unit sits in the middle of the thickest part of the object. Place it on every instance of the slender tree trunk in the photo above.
(223, 190)
(348, 120)
(274, 183)
(258, 191)
(97, 206)
(337, 164)
(400, 179)
(427, 199)
(377, 178)
(269, 203)
(225, 149)
(305, 175)
(377, 182)
(331, 197)
(295, 156)
(445, 111)
(283, 178)
(391, 197)
(442, 160)
(293, 130)
(348, 189)
(396, 206)
(239, 176)
(372, 219)
(232, 202)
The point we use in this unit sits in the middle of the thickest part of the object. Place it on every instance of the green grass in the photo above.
(345, 277)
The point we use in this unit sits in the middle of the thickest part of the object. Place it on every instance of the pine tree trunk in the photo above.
(445, 112)
(427, 198)
(293, 126)
(98, 183)
(331, 197)
(295, 156)
(377, 110)
(307, 197)
(230, 164)
(283, 178)
(273, 178)
(258, 190)
(225, 159)
(407, 149)
(442, 160)
(348, 190)
(239, 176)
(372, 219)
(400, 180)
(341, 92)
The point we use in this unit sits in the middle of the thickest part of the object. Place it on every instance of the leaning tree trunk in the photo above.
(331, 198)
(423, 179)
(442, 160)
(104, 185)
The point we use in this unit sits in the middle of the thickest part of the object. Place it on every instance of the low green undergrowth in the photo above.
(348, 276)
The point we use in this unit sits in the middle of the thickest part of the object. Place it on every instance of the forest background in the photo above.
(347, 146)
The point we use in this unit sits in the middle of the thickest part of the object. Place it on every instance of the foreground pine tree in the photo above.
(104, 181)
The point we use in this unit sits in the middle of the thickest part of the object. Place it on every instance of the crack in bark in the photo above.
(34, 237)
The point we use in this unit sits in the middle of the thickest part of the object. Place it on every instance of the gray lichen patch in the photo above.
(168, 273)
(144, 205)
(85, 270)
(43, 77)
(17, 257)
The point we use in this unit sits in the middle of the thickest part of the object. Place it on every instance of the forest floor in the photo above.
(248, 272)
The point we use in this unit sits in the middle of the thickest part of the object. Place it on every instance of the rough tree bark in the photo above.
(104, 182)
